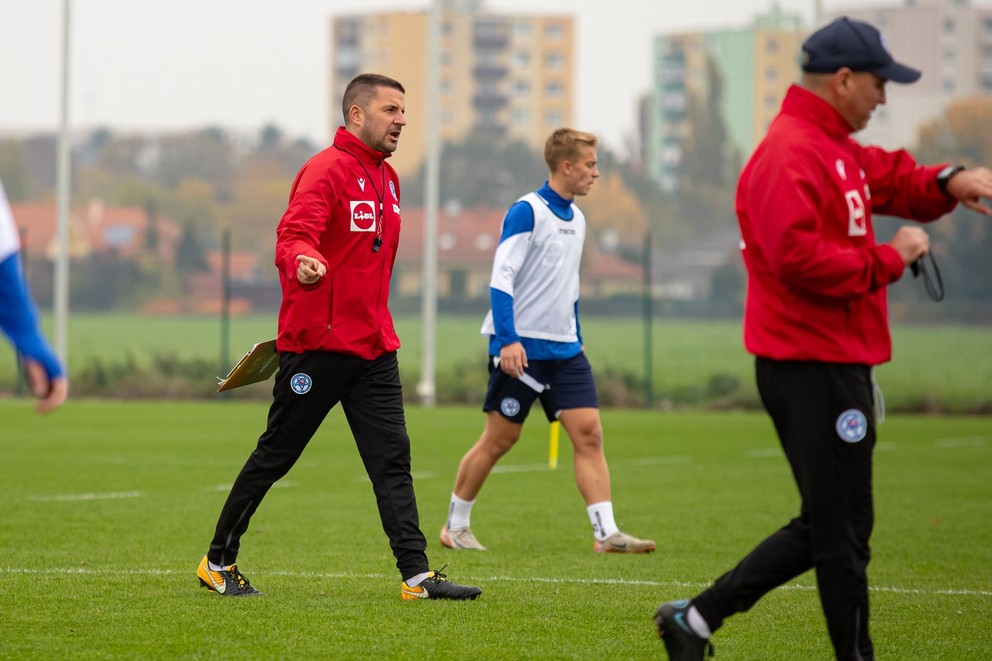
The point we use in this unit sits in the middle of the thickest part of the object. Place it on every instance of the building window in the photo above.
(521, 117)
(771, 46)
(553, 118)
(771, 74)
(948, 85)
(554, 61)
(521, 59)
(484, 242)
(554, 90)
(521, 88)
(554, 31)
(487, 29)
(447, 241)
(949, 25)
(521, 30)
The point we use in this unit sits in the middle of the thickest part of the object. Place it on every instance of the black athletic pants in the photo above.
(824, 416)
(372, 398)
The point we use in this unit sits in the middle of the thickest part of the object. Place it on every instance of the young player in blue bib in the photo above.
(535, 345)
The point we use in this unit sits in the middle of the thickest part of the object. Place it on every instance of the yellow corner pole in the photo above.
(554, 433)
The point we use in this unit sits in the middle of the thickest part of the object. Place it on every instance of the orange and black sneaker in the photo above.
(437, 586)
(228, 582)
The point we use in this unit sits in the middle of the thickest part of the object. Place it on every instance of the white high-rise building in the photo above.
(950, 41)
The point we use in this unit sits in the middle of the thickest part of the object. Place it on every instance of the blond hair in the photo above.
(566, 144)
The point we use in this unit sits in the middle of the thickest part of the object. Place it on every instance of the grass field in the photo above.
(106, 508)
(942, 368)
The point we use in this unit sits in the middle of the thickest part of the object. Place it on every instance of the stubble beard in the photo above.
(379, 144)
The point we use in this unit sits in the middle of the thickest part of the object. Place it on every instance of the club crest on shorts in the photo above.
(852, 426)
(509, 407)
(301, 383)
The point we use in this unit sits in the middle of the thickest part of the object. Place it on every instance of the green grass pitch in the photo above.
(106, 509)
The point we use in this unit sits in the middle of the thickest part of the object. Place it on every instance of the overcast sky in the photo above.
(240, 64)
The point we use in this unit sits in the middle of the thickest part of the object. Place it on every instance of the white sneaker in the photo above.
(621, 542)
(460, 538)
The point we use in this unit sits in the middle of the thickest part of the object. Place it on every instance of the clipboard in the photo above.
(257, 365)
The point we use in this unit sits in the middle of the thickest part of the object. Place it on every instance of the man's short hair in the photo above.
(566, 144)
(362, 89)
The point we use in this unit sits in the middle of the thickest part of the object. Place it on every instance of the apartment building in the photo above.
(753, 66)
(502, 77)
(950, 41)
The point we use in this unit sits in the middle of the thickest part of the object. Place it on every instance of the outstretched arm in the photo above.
(969, 187)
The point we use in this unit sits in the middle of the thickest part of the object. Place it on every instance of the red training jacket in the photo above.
(342, 200)
(816, 278)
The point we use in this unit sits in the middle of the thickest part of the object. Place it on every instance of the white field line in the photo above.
(85, 571)
(76, 497)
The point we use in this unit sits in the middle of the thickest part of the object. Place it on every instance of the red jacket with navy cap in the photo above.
(344, 210)
(816, 277)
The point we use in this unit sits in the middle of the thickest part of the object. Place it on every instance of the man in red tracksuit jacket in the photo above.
(335, 249)
(815, 318)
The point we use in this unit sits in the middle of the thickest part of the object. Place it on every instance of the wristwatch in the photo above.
(945, 175)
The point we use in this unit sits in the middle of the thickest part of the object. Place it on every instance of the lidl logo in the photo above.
(362, 216)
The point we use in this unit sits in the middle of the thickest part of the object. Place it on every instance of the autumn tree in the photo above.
(612, 210)
(480, 171)
(962, 242)
(709, 165)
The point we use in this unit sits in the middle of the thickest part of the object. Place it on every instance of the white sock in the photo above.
(214, 567)
(697, 623)
(417, 580)
(601, 517)
(459, 513)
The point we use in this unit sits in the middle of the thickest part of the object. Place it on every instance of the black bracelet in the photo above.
(944, 176)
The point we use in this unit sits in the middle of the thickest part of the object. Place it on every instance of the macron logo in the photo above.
(362, 216)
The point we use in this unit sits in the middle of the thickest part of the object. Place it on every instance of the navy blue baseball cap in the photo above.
(856, 45)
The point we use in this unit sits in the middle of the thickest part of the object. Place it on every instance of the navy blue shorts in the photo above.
(571, 387)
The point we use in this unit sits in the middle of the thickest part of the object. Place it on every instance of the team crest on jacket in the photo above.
(852, 426)
(509, 407)
(362, 216)
(301, 383)
(392, 189)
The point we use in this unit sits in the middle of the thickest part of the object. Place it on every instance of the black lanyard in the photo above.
(380, 196)
(932, 281)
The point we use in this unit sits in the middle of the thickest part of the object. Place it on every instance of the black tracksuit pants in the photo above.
(824, 416)
(307, 387)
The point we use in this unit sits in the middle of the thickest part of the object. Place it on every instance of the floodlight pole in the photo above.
(427, 388)
(61, 286)
(648, 325)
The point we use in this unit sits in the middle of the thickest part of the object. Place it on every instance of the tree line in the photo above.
(210, 179)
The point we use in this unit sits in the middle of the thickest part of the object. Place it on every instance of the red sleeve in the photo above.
(901, 188)
(300, 230)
